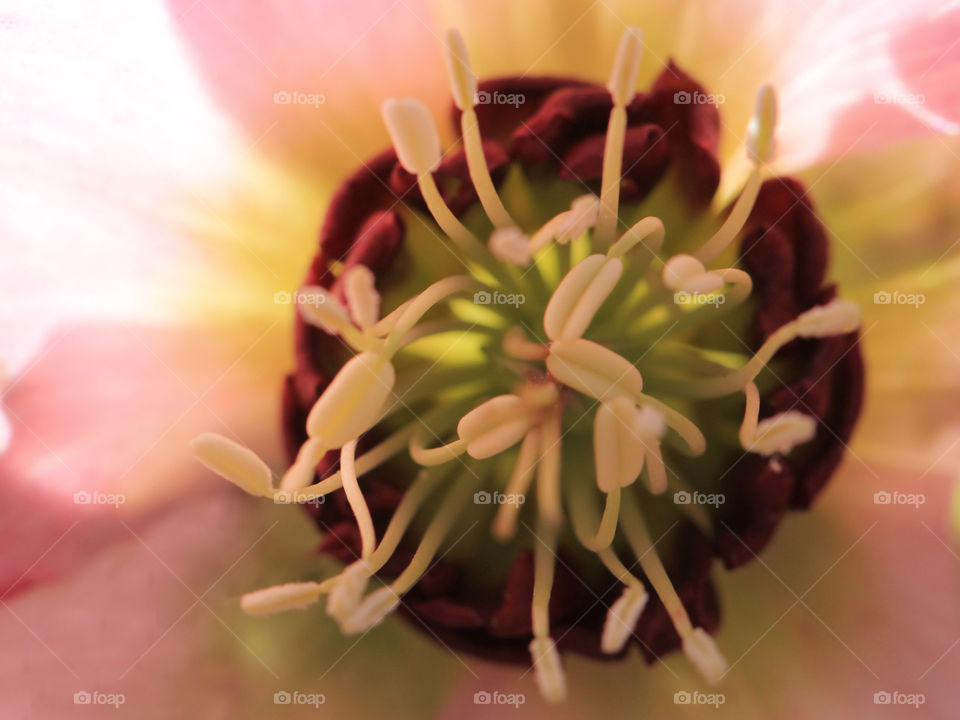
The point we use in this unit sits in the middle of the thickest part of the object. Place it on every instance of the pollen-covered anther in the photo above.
(234, 462)
(837, 317)
(686, 273)
(548, 669)
(760, 132)
(414, 135)
(618, 453)
(649, 427)
(592, 369)
(781, 433)
(353, 401)
(510, 244)
(495, 425)
(370, 611)
(348, 589)
(626, 67)
(705, 656)
(622, 618)
(291, 596)
(363, 300)
(579, 296)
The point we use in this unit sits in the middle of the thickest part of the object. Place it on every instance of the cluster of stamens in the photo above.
(553, 373)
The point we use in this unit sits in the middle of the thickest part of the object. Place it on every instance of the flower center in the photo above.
(565, 365)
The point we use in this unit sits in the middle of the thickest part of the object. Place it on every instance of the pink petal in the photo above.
(110, 411)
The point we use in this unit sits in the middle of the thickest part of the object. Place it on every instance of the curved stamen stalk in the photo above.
(420, 305)
(549, 502)
(547, 668)
(351, 486)
(505, 521)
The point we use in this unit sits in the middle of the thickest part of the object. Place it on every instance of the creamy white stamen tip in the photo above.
(414, 134)
(347, 591)
(618, 456)
(649, 422)
(837, 317)
(705, 656)
(495, 425)
(579, 296)
(781, 433)
(292, 596)
(622, 619)
(353, 400)
(760, 131)
(626, 67)
(371, 611)
(548, 670)
(510, 244)
(363, 300)
(687, 273)
(462, 78)
(233, 462)
(593, 369)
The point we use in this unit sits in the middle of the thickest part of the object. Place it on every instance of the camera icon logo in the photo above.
(882, 297)
(681, 697)
(882, 497)
(882, 698)
(482, 297)
(482, 97)
(282, 697)
(682, 498)
(82, 497)
(482, 497)
(282, 298)
(82, 697)
(481, 697)
(682, 97)
(282, 97)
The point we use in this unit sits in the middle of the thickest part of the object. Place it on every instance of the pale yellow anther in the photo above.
(618, 453)
(781, 433)
(347, 591)
(495, 425)
(703, 653)
(548, 669)
(363, 300)
(626, 67)
(622, 619)
(370, 611)
(760, 132)
(592, 369)
(234, 462)
(291, 596)
(463, 81)
(579, 296)
(353, 401)
(510, 244)
(413, 134)
(687, 274)
(837, 317)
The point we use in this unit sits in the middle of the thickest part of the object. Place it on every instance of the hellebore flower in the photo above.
(552, 382)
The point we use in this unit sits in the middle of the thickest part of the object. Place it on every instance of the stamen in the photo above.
(760, 132)
(698, 646)
(234, 462)
(494, 426)
(547, 667)
(618, 457)
(648, 232)
(428, 457)
(579, 296)
(781, 433)
(292, 596)
(464, 84)
(838, 317)
(353, 401)
(751, 413)
(568, 225)
(516, 345)
(358, 504)
(623, 81)
(649, 426)
(622, 619)
(549, 503)
(363, 299)
(349, 587)
(304, 468)
(510, 244)
(505, 521)
(593, 370)
(420, 305)
(380, 603)
(687, 274)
